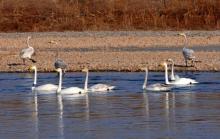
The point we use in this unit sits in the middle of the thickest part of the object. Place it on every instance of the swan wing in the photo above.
(47, 87)
(72, 91)
(184, 81)
(188, 53)
(158, 87)
(27, 52)
(101, 87)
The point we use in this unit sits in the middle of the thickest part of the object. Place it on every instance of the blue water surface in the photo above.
(191, 112)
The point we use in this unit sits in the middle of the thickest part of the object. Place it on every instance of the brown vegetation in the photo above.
(80, 15)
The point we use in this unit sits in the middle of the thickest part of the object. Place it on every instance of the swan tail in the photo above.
(111, 87)
(34, 61)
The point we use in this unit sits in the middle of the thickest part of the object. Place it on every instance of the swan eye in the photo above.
(79, 92)
(108, 89)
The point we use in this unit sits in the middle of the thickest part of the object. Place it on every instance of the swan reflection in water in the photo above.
(167, 105)
(36, 114)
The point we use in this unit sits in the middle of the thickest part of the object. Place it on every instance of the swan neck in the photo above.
(166, 75)
(172, 71)
(60, 82)
(35, 77)
(28, 42)
(86, 82)
(186, 41)
(145, 80)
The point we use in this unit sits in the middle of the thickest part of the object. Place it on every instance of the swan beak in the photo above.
(162, 64)
(181, 34)
(30, 68)
(169, 60)
(85, 70)
(57, 70)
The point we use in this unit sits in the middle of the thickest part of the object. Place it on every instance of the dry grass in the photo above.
(80, 15)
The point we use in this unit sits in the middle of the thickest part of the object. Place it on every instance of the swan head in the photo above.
(29, 37)
(59, 70)
(85, 70)
(144, 69)
(163, 64)
(182, 34)
(170, 60)
(32, 68)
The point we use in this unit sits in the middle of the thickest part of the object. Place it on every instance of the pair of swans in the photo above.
(176, 80)
(154, 87)
(77, 90)
(51, 88)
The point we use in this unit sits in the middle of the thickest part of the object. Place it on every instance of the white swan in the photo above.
(178, 82)
(172, 76)
(70, 90)
(45, 87)
(97, 87)
(154, 87)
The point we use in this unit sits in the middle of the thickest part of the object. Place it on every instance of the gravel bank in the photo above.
(110, 51)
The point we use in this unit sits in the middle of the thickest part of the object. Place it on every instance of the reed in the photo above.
(81, 15)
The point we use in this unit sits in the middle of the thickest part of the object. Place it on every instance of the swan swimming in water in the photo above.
(45, 87)
(178, 82)
(97, 87)
(71, 90)
(154, 87)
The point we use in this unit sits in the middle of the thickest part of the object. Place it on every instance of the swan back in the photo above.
(72, 91)
(46, 87)
(184, 81)
(158, 87)
(27, 52)
(101, 88)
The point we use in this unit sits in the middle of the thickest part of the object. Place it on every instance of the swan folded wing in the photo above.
(22, 52)
(184, 81)
(72, 91)
(188, 53)
(101, 87)
(47, 87)
(27, 52)
(159, 87)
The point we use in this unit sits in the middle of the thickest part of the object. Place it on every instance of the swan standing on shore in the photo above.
(97, 87)
(154, 87)
(70, 90)
(45, 87)
(188, 54)
(27, 53)
(178, 82)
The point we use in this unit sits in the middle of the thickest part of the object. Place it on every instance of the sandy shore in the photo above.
(110, 51)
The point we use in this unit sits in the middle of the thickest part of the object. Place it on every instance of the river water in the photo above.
(192, 112)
